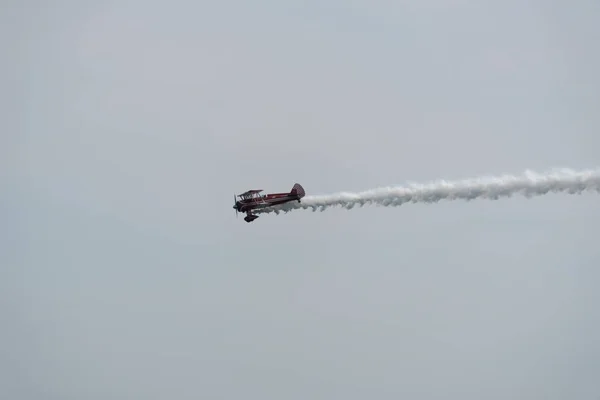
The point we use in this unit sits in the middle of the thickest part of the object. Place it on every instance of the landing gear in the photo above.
(250, 217)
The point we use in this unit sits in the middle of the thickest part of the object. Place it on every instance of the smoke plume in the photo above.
(529, 184)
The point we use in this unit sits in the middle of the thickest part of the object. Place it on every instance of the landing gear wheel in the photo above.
(250, 218)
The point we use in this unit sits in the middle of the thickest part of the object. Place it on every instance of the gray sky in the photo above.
(129, 126)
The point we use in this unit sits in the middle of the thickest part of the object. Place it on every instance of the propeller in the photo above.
(236, 210)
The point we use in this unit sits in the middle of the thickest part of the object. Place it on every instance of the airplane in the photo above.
(251, 200)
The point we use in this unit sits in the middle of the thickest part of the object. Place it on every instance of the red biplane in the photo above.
(252, 200)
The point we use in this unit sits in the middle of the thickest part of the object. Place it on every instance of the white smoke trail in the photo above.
(529, 184)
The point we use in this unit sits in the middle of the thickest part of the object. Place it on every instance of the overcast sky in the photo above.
(129, 125)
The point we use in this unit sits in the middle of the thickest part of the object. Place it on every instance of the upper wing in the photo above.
(250, 192)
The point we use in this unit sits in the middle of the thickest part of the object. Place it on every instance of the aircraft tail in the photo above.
(298, 190)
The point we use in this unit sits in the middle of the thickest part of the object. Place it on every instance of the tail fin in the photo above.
(298, 190)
